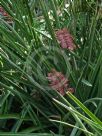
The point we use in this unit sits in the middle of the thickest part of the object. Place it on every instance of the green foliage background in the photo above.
(29, 50)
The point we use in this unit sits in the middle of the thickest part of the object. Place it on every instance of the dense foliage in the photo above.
(44, 43)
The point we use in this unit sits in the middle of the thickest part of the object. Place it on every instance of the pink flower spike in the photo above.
(65, 39)
(58, 81)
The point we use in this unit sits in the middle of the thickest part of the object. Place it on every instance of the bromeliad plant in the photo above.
(51, 47)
